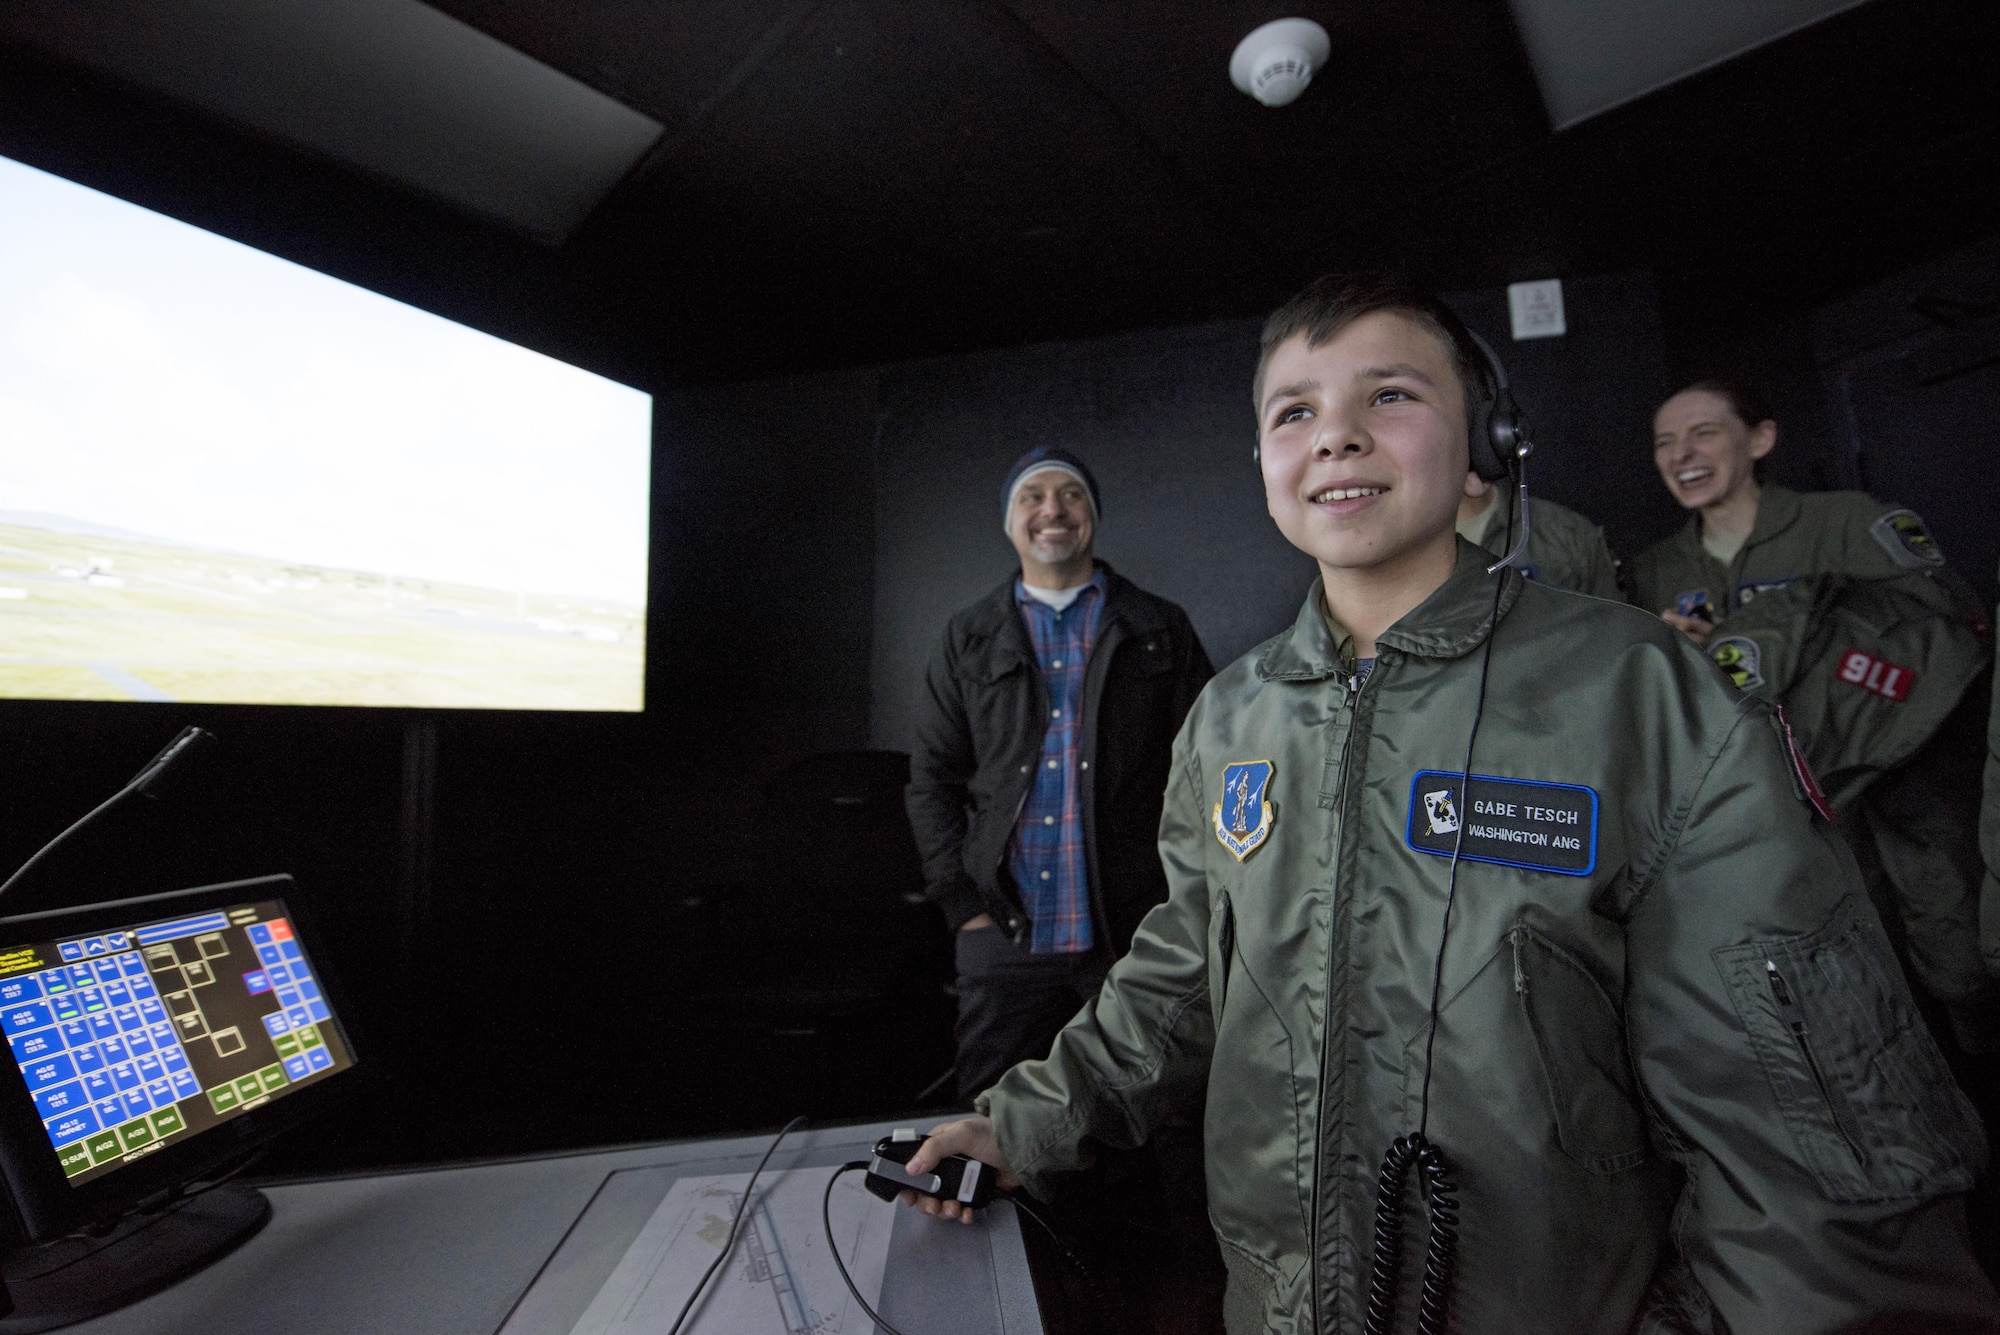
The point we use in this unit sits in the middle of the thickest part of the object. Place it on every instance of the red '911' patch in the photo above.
(1891, 681)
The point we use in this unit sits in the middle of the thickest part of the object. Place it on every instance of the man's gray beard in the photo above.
(1056, 555)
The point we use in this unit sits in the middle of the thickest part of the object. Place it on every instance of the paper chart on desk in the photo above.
(778, 1281)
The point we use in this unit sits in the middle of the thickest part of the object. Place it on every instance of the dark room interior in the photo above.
(866, 253)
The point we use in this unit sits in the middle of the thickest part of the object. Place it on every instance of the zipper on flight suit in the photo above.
(1793, 1017)
(1352, 705)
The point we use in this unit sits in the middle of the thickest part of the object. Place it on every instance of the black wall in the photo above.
(1164, 420)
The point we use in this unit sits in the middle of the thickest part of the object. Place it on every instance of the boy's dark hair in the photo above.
(1329, 304)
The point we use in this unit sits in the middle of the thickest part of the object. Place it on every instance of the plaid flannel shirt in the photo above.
(1046, 855)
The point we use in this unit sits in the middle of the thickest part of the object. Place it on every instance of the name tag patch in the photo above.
(1747, 591)
(1891, 681)
(1511, 822)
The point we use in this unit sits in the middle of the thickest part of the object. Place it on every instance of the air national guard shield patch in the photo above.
(1909, 543)
(1244, 816)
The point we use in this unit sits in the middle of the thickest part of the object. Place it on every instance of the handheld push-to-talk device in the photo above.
(1500, 445)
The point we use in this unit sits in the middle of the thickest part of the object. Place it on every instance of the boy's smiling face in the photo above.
(1363, 443)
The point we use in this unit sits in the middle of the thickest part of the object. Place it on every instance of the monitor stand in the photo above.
(74, 1279)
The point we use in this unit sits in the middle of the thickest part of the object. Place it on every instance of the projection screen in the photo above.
(227, 478)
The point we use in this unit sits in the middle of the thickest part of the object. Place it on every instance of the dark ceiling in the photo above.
(852, 181)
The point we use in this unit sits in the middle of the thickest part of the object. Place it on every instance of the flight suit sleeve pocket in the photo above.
(1580, 1039)
(1872, 1107)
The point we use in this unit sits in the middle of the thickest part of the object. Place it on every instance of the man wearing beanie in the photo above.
(1043, 744)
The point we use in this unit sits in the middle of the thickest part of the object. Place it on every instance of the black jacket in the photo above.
(980, 731)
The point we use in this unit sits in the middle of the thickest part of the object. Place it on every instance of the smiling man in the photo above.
(1042, 748)
(1620, 997)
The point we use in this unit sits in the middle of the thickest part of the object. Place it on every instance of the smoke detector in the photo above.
(1276, 62)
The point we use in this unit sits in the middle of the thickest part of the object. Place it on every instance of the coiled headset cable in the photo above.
(1436, 1181)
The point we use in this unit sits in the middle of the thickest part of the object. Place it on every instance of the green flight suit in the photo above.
(1649, 1133)
(1822, 577)
(1565, 550)
(1810, 533)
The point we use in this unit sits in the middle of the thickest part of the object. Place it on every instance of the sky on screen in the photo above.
(161, 379)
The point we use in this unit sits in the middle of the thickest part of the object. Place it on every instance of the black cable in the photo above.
(833, 1247)
(1458, 844)
(1439, 1186)
(729, 1243)
(826, 1218)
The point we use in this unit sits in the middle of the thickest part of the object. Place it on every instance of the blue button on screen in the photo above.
(270, 955)
(185, 1085)
(320, 1058)
(16, 990)
(20, 1019)
(87, 1057)
(289, 996)
(125, 1076)
(71, 950)
(173, 1058)
(74, 1126)
(41, 1043)
(297, 1067)
(259, 934)
(59, 1099)
(51, 1071)
(277, 1023)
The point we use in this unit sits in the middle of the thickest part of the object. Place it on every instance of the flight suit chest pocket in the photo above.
(1869, 1101)
(1580, 1041)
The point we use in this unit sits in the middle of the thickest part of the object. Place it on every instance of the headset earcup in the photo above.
(1487, 461)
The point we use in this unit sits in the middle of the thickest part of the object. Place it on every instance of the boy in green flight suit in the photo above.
(1663, 1044)
(1840, 608)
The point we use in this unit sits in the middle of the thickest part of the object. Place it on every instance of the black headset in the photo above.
(1497, 428)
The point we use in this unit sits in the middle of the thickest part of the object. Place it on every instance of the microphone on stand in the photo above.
(190, 739)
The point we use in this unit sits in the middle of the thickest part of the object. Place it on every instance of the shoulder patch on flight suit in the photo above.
(1510, 822)
(1741, 659)
(1244, 816)
(1908, 541)
(1891, 681)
